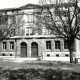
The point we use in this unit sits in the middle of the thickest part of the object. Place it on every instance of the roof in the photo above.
(8, 9)
(33, 6)
(30, 6)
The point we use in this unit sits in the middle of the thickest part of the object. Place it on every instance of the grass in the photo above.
(43, 70)
(8, 64)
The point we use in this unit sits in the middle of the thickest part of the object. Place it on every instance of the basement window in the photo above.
(66, 55)
(57, 55)
(10, 54)
(3, 54)
(48, 55)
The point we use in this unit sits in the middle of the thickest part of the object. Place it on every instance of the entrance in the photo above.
(34, 49)
(23, 50)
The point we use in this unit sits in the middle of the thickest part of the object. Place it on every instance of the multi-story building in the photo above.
(27, 40)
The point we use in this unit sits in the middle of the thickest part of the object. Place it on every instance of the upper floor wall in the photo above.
(28, 21)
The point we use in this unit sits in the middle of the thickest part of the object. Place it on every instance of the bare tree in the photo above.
(63, 21)
(9, 25)
(6, 26)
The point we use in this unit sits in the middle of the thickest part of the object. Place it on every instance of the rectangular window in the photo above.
(57, 44)
(12, 45)
(3, 19)
(48, 32)
(4, 45)
(30, 18)
(66, 46)
(57, 55)
(48, 44)
(29, 31)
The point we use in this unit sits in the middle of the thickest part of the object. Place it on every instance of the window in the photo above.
(48, 44)
(30, 18)
(66, 46)
(48, 32)
(4, 45)
(57, 44)
(61, 11)
(3, 19)
(11, 45)
(12, 19)
(3, 54)
(66, 55)
(57, 55)
(10, 54)
(56, 11)
(48, 55)
(29, 31)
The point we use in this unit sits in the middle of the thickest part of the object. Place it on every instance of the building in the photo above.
(27, 40)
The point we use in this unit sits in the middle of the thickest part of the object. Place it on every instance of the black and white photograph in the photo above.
(40, 40)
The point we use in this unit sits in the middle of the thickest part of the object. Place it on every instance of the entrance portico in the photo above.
(28, 48)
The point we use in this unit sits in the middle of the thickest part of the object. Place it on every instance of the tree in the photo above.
(62, 22)
(7, 26)
(10, 25)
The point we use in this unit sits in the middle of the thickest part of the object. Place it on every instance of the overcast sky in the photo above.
(15, 3)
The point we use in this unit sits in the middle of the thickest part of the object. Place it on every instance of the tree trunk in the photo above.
(71, 55)
(71, 50)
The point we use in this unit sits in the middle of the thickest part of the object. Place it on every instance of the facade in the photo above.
(28, 41)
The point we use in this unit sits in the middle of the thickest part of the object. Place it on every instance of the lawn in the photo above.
(38, 70)
(26, 64)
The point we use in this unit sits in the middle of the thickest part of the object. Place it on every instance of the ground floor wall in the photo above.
(36, 48)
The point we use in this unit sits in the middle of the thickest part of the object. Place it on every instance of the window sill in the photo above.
(48, 50)
(57, 50)
(4, 49)
(11, 49)
(66, 50)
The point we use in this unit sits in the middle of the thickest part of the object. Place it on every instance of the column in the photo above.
(18, 49)
(43, 47)
(28, 50)
(61, 46)
(39, 50)
(53, 45)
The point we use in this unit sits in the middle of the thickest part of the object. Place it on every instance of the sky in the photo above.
(15, 3)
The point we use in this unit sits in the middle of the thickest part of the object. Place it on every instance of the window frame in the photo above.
(30, 18)
(29, 31)
(11, 47)
(48, 45)
(4, 45)
(66, 49)
(66, 46)
(57, 45)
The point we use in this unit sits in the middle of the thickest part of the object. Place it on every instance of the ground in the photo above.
(22, 69)
(14, 64)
